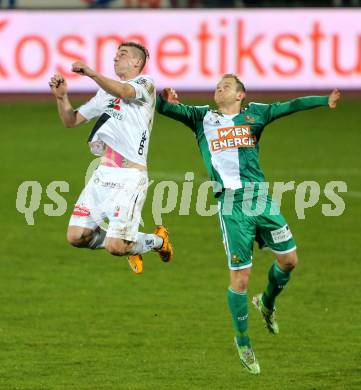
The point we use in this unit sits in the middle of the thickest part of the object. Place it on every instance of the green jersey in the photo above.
(229, 144)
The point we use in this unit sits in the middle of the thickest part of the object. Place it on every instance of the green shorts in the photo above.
(242, 225)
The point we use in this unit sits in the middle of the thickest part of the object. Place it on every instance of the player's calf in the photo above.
(278, 276)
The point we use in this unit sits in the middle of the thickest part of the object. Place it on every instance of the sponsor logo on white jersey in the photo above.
(142, 143)
(114, 109)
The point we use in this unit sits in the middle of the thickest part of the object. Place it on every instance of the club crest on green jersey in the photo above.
(249, 118)
(235, 259)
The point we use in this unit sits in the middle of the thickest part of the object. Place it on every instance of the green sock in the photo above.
(237, 302)
(277, 280)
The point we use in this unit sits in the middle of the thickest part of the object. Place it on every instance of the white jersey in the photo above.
(124, 124)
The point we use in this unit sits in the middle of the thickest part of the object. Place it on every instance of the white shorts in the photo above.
(112, 199)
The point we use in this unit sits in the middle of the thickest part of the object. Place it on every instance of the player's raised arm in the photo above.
(68, 115)
(278, 110)
(169, 105)
(113, 87)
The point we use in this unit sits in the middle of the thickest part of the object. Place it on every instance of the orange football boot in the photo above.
(136, 263)
(166, 250)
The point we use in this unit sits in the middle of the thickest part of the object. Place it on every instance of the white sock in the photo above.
(145, 243)
(98, 239)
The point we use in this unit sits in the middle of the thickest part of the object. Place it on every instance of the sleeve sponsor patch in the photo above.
(147, 84)
(281, 235)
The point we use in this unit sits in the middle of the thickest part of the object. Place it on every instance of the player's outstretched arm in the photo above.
(59, 88)
(278, 110)
(334, 97)
(113, 87)
(168, 104)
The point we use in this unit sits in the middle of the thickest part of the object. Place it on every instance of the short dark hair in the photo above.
(240, 85)
(144, 53)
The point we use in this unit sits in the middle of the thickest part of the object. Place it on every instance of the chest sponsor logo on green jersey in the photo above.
(233, 137)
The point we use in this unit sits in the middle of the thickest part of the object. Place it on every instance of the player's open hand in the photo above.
(333, 98)
(170, 95)
(82, 69)
(58, 85)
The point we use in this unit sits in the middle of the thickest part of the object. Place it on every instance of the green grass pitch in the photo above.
(76, 319)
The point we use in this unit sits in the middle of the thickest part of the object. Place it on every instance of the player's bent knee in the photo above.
(292, 260)
(288, 261)
(117, 247)
(239, 279)
(78, 237)
(240, 285)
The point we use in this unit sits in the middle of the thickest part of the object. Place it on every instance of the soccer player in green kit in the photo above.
(228, 139)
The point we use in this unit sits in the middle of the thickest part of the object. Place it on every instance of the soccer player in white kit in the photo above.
(118, 187)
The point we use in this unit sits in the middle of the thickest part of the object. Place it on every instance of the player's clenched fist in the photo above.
(58, 85)
(82, 69)
(333, 98)
(170, 95)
